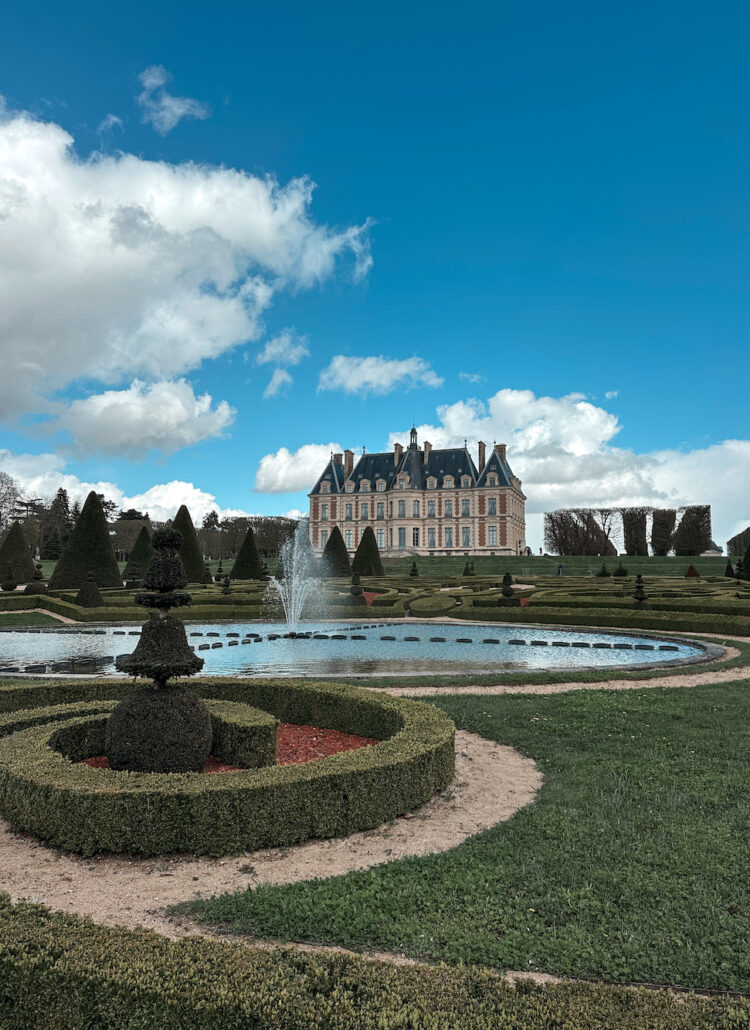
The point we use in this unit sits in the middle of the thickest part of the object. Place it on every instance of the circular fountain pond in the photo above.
(329, 649)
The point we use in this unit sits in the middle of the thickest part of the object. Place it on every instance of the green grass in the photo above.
(547, 565)
(27, 619)
(631, 865)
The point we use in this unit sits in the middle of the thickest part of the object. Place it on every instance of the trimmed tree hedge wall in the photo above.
(88, 549)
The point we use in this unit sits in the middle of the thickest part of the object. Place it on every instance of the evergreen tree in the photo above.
(88, 596)
(247, 564)
(335, 556)
(413, 571)
(207, 577)
(16, 552)
(140, 556)
(729, 570)
(59, 514)
(746, 564)
(366, 559)
(50, 546)
(89, 549)
(9, 583)
(190, 552)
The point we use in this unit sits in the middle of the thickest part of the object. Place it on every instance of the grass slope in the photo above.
(631, 866)
(577, 565)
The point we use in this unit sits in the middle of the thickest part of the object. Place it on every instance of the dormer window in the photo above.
(431, 483)
(350, 487)
(448, 483)
(325, 488)
(492, 480)
(466, 482)
(381, 486)
(364, 486)
(402, 483)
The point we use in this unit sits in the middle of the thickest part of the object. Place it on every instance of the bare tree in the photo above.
(8, 499)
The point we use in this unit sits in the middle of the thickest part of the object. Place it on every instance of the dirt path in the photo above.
(492, 782)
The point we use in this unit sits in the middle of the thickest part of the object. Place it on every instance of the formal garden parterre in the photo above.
(628, 868)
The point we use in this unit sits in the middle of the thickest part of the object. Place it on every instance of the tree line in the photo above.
(590, 531)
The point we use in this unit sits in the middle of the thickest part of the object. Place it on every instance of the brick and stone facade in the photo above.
(421, 500)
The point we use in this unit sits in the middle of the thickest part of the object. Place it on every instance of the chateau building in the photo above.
(421, 500)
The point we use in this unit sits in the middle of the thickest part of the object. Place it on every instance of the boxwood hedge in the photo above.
(732, 625)
(59, 971)
(89, 810)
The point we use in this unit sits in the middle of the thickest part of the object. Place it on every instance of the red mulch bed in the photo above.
(369, 596)
(294, 744)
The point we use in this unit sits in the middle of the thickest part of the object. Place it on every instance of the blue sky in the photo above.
(542, 209)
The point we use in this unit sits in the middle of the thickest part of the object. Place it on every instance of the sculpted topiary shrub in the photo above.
(9, 582)
(366, 559)
(15, 551)
(88, 596)
(159, 728)
(89, 549)
(691, 571)
(140, 556)
(190, 552)
(37, 585)
(247, 564)
(335, 560)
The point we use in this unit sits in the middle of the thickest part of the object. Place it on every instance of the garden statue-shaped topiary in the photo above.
(161, 728)
(88, 596)
(639, 594)
(507, 590)
(37, 584)
(358, 594)
(9, 583)
(207, 577)
(729, 570)
(413, 571)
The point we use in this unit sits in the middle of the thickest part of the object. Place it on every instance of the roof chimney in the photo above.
(398, 450)
(338, 459)
(427, 449)
(500, 448)
(348, 462)
(481, 455)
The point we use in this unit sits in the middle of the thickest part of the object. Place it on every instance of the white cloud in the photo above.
(162, 416)
(40, 475)
(285, 471)
(160, 108)
(471, 377)
(279, 383)
(611, 394)
(295, 513)
(563, 451)
(285, 349)
(109, 123)
(113, 267)
(377, 375)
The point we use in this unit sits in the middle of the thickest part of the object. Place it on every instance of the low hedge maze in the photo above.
(43, 791)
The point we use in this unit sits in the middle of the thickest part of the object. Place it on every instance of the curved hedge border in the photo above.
(88, 810)
(59, 971)
(733, 625)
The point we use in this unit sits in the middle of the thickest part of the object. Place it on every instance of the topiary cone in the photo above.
(247, 564)
(88, 549)
(190, 552)
(15, 551)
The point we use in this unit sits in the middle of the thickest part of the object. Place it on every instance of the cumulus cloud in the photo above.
(160, 108)
(279, 383)
(563, 449)
(40, 475)
(113, 267)
(285, 471)
(288, 348)
(161, 416)
(377, 375)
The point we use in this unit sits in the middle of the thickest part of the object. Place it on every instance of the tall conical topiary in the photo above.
(89, 549)
(335, 560)
(190, 551)
(15, 551)
(140, 556)
(247, 564)
(366, 559)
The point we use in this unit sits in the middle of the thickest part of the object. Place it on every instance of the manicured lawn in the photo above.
(539, 565)
(27, 619)
(631, 866)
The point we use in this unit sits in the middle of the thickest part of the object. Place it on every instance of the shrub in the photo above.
(62, 971)
(335, 560)
(729, 570)
(183, 740)
(366, 559)
(37, 584)
(692, 571)
(89, 810)
(662, 528)
(674, 622)
(140, 556)
(247, 564)
(190, 551)
(620, 571)
(88, 596)
(9, 584)
(15, 551)
(603, 572)
(433, 605)
(89, 549)
(413, 571)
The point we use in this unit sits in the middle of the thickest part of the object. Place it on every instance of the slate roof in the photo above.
(334, 475)
(501, 469)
